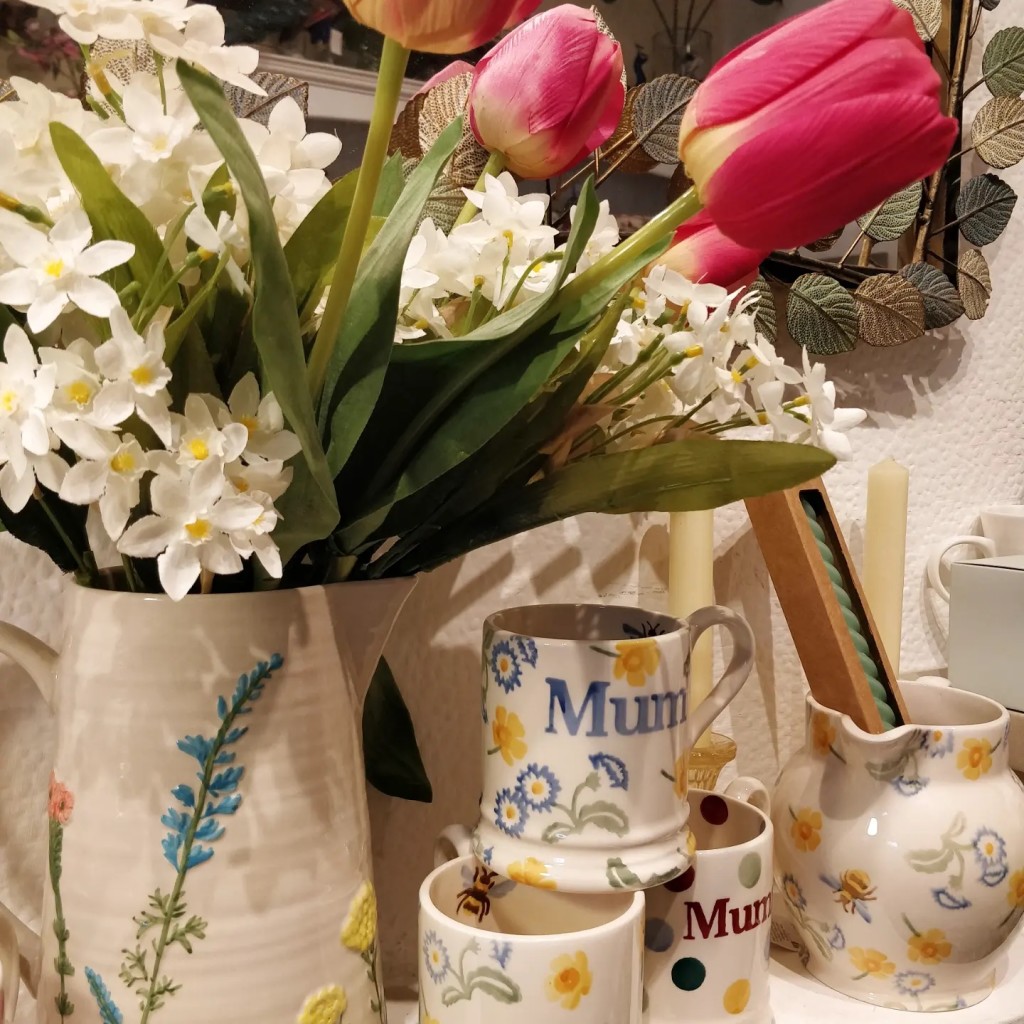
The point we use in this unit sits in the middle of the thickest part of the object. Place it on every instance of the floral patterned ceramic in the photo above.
(494, 951)
(708, 932)
(209, 852)
(587, 728)
(900, 857)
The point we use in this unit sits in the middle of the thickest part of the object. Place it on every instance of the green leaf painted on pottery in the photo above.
(620, 876)
(495, 984)
(604, 815)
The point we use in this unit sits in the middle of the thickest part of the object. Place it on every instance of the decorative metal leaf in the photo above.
(445, 204)
(7, 91)
(1003, 63)
(766, 316)
(975, 282)
(891, 310)
(405, 136)
(998, 131)
(657, 114)
(277, 87)
(984, 208)
(442, 105)
(822, 316)
(990, 5)
(927, 15)
(887, 222)
(605, 29)
(638, 162)
(123, 58)
(942, 302)
(826, 243)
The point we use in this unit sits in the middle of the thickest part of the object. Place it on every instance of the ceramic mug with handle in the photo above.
(588, 724)
(1003, 529)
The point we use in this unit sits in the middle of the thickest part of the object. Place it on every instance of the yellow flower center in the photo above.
(537, 788)
(435, 956)
(509, 237)
(639, 303)
(567, 980)
(198, 529)
(198, 449)
(737, 376)
(79, 392)
(9, 401)
(975, 756)
(478, 282)
(241, 484)
(123, 462)
(55, 268)
(142, 375)
(694, 351)
(990, 848)
(250, 423)
(805, 830)
(161, 144)
(929, 949)
(937, 735)
(798, 402)
(504, 664)
(510, 813)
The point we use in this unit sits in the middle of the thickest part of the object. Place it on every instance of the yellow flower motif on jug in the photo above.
(508, 732)
(637, 660)
(570, 980)
(871, 962)
(823, 733)
(736, 997)
(531, 872)
(930, 947)
(691, 843)
(806, 829)
(975, 759)
(359, 932)
(1016, 894)
(682, 775)
(324, 1007)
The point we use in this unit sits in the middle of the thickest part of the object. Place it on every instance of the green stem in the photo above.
(80, 561)
(494, 166)
(30, 213)
(389, 89)
(64, 1008)
(551, 257)
(663, 226)
(147, 312)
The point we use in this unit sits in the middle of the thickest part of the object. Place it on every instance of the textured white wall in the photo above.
(948, 407)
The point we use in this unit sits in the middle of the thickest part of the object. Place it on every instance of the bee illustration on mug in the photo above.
(482, 885)
(853, 889)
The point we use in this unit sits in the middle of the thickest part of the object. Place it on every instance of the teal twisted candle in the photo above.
(853, 622)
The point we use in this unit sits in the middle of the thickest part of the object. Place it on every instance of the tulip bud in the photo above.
(809, 125)
(440, 26)
(548, 94)
(701, 253)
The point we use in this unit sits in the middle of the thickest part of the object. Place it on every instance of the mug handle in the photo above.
(750, 791)
(984, 544)
(735, 675)
(19, 944)
(451, 843)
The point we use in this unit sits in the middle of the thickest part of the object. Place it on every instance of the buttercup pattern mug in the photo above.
(1003, 528)
(587, 725)
(708, 933)
(496, 952)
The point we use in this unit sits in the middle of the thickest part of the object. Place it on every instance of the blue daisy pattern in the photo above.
(990, 853)
(505, 666)
(949, 900)
(913, 983)
(526, 649)
(937, 742)
(614, 767)
(836, 938)
(510, 813)
(501, 953)
(537, 788)
(435, 956)
(793, 893)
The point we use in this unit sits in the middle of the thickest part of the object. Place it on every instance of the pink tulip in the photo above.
(441, 26)
(702, 253)
(548, 94)
(813, 123)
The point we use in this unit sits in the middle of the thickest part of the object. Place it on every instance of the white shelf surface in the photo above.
(798, 999)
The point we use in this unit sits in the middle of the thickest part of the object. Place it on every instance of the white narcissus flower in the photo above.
(59, 268)
(86, 20)
(136, 376)
(826, 425)
(73, 417)
(255, 539)
(262, 418)
(226, 237)
(27, 446)
(191, 526)
(604, 239)
(112, 481)
(259, 476)
(200, 439)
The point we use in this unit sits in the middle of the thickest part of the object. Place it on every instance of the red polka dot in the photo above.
(683, 882)
(714, 810)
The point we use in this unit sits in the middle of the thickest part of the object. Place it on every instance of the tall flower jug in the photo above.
(209, 854)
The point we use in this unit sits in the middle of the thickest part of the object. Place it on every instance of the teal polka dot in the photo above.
(750, 870)
(688, 974)
(658, 935)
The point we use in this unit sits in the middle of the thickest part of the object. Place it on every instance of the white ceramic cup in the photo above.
(1003, 529)
(708, 932)
(495, 952)
(587, 727)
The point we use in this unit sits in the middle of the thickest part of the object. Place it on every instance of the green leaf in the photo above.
(1003, 64)
(556, 832)
(390, 751)
(822, 316)
(359, 361)
(890, 310)
(680, 476)
(178, 328)
(984, 208)
(112, 214)
(930, 861)
(998, 131)
(620, 876)
(942, 302)
(313, 248)
(495, 984)
(889, 221)
(309, 507)
(392, 182)
(766, 316)
(605, 815)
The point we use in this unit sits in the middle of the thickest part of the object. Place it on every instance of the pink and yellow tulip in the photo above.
(548, 94)
(703, 254)
(813, 123)
(441, 26)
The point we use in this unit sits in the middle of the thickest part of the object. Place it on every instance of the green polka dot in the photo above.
(750, 870)
(688, 974)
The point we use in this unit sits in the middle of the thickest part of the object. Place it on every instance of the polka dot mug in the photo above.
(707, 937)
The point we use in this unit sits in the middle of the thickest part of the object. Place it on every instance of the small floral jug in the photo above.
(900, 857)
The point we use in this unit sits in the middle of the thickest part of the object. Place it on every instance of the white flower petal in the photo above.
(46, 307)
(147, 538)
(120, 497)
(84, 482)
(104, 256)
(179, 569)
(15, 490)
(92, 295)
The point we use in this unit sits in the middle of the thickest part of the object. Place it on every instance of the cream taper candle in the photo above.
(691, 585)
(885, 552)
